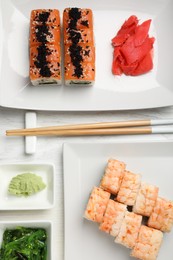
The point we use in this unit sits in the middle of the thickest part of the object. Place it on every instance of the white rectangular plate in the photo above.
(41, 200)
(83, 168)
(47, 225)
(110, 92)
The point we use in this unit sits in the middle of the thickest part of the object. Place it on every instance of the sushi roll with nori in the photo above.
(45, 16)
(45, 34)
(79, 49)
(79, 18)
(97, 204)
(45, 51)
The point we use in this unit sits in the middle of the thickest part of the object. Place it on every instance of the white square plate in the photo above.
(47, 225)
(110, 92)
(83, 168)
(41, 200)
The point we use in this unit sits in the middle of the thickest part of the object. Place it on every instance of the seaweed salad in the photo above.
(24, 243)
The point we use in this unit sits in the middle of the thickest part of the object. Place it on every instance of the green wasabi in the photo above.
(26, 184)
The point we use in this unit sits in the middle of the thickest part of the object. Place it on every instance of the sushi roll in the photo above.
(148, 244)
(45, 34)
(129, 188)
(79, 49)
(45, 16)
(50, 52)
(83, 18)
(162, 215)
(84, 36)
(87, 52)
(86, 72)
(146, 199)
(45, 51)
(97, 204)
(113, 218)
(129, 230)
(113, 176)
(45, 63)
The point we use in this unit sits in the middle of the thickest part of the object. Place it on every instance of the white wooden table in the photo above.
(49, 149)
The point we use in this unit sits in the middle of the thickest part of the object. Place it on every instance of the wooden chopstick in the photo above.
(116, 127)
(133, 123)
(82, 132)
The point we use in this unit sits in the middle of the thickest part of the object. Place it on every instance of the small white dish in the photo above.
(84, 166)
(41, 200)
(47, 225)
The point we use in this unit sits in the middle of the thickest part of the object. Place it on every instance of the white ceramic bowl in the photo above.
(41, 200)
(47, 225)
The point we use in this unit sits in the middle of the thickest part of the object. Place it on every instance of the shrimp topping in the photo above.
(162, 216)
(129, 188)
(146, 199)
(148, 244)
(129, 230)
(113, 176)
(113, 218)
(97, 205)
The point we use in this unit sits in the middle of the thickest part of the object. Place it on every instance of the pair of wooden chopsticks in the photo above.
(107, 128)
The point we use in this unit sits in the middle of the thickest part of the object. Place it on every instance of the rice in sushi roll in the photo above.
(97, 204)
(146, 199)
(79, 49)
(45, 51)
(148, 244)
(113, 218)
(129, 230)
(113, 176)
(162, 215)
(129, 188)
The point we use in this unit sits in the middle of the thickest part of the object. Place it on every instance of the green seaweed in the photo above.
(24, 243)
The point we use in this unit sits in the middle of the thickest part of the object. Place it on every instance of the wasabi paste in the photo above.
(26, 184)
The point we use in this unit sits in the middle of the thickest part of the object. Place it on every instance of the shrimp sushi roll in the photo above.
(79, 49)
(45, 52)
(129, 230)
(45, 16)
(162, 215)
(113, 218)
(113, 176)
(146, 199)
(129, 188)
(148, 244)
(97, 204)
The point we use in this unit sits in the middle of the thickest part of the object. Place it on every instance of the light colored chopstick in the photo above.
(103, 125)
(106, 131)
